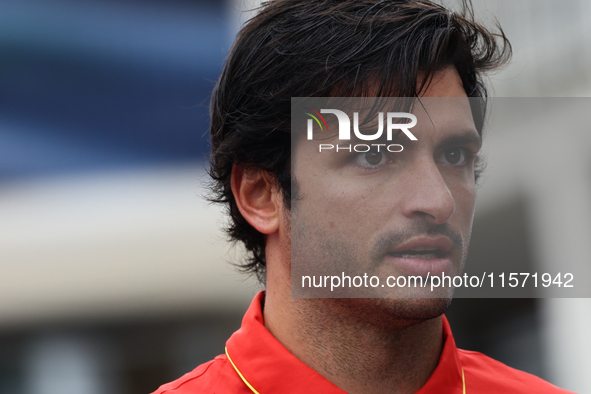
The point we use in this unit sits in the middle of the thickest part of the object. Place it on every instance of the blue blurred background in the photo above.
(89, 85)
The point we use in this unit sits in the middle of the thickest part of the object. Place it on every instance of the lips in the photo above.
(419, 253)
(424, 246)
(423, 255)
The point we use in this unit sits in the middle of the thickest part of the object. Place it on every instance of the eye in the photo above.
(455, 156)
(373, 158)
(370, 159)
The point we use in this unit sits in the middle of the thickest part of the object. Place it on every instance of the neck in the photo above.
(361, 345)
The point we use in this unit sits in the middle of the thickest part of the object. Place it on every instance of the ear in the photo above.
(257, 198)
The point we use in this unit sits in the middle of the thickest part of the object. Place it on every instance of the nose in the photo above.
(427, 194)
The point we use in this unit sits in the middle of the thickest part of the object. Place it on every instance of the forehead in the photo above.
(445, 83)
(442, 83)
(445, 101)
(444, 115)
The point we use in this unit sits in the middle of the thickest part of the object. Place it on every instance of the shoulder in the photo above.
(216, 376)
(484, 374)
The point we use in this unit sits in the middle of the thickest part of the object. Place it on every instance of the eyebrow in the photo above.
(397, 136)
(468, 137)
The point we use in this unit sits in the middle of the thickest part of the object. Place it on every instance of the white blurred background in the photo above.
(115, 275)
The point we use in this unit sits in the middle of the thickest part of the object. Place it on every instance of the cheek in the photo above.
(341, 209)
(464, 194)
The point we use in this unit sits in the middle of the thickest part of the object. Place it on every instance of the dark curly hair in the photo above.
(323, 48)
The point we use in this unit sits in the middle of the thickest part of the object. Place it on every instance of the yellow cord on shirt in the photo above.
(463, 382)
(256, 392)
(239, 374)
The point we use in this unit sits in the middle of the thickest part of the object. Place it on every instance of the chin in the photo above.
(393, 312)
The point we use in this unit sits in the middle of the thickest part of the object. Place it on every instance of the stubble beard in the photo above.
(311, 243)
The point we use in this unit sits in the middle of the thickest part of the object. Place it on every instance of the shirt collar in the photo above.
(270, 368)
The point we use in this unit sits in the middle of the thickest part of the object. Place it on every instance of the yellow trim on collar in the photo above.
(256, 392)
(463, 382)
(246, 381)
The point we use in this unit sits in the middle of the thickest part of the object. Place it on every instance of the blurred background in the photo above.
(114, 274)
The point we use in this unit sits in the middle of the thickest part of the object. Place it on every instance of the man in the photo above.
(425, 195)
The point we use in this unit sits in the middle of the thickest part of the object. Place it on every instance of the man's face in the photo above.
(392, 214)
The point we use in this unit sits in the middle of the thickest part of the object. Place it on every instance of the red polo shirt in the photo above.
(255, 362)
